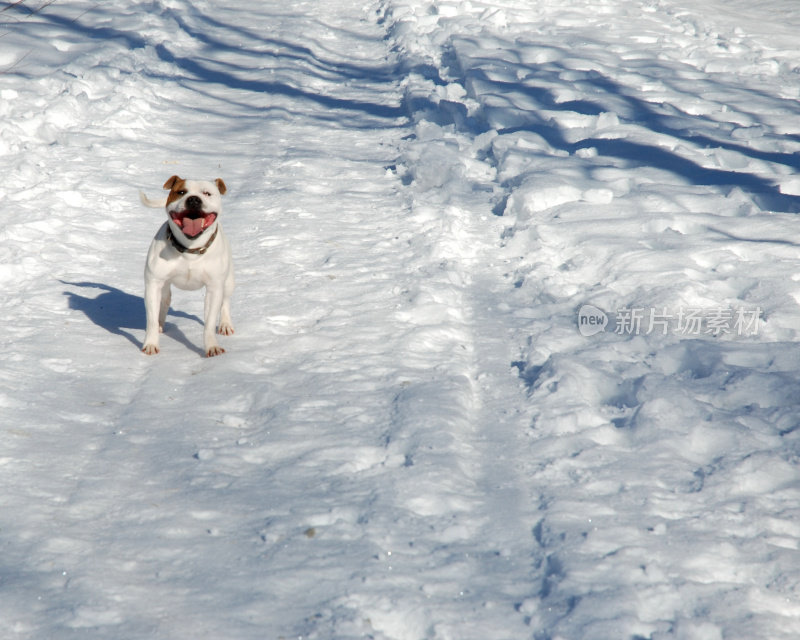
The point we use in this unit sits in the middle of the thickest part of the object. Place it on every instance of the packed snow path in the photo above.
(319, 480)
(409, 437)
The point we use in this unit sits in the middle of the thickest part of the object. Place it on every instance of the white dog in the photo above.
(190, 251)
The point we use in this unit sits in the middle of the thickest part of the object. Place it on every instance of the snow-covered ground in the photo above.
(517, 349)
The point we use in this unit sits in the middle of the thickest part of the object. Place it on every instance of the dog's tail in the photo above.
(153, 204)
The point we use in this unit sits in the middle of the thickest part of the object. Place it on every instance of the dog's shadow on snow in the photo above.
(121, 313)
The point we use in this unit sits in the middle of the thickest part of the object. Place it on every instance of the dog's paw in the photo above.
(216, 350)
(225, 329)
(150, 349)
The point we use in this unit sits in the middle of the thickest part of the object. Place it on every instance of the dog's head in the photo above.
(193, 206)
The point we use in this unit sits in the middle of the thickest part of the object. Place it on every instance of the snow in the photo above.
(516, 311)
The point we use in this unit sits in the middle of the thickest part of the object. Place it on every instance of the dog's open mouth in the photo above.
(193, 222)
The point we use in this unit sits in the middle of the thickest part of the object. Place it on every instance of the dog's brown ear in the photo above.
(171, 182)
(221, 186)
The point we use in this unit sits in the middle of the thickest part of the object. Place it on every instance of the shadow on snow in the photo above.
(216, 71)
(528, 98)
(121, 313)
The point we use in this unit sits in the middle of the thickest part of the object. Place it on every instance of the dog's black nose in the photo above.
(194, 202)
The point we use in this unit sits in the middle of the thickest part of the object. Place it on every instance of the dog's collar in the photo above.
(198, 250)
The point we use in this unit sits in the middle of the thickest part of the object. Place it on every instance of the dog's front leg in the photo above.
(213, 306)
(166, 299)
(225, 324)
(153, 292)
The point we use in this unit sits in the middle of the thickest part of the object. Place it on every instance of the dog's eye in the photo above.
(207, 193)
(182, 192)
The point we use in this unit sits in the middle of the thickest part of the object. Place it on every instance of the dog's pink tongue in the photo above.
(193, 226)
